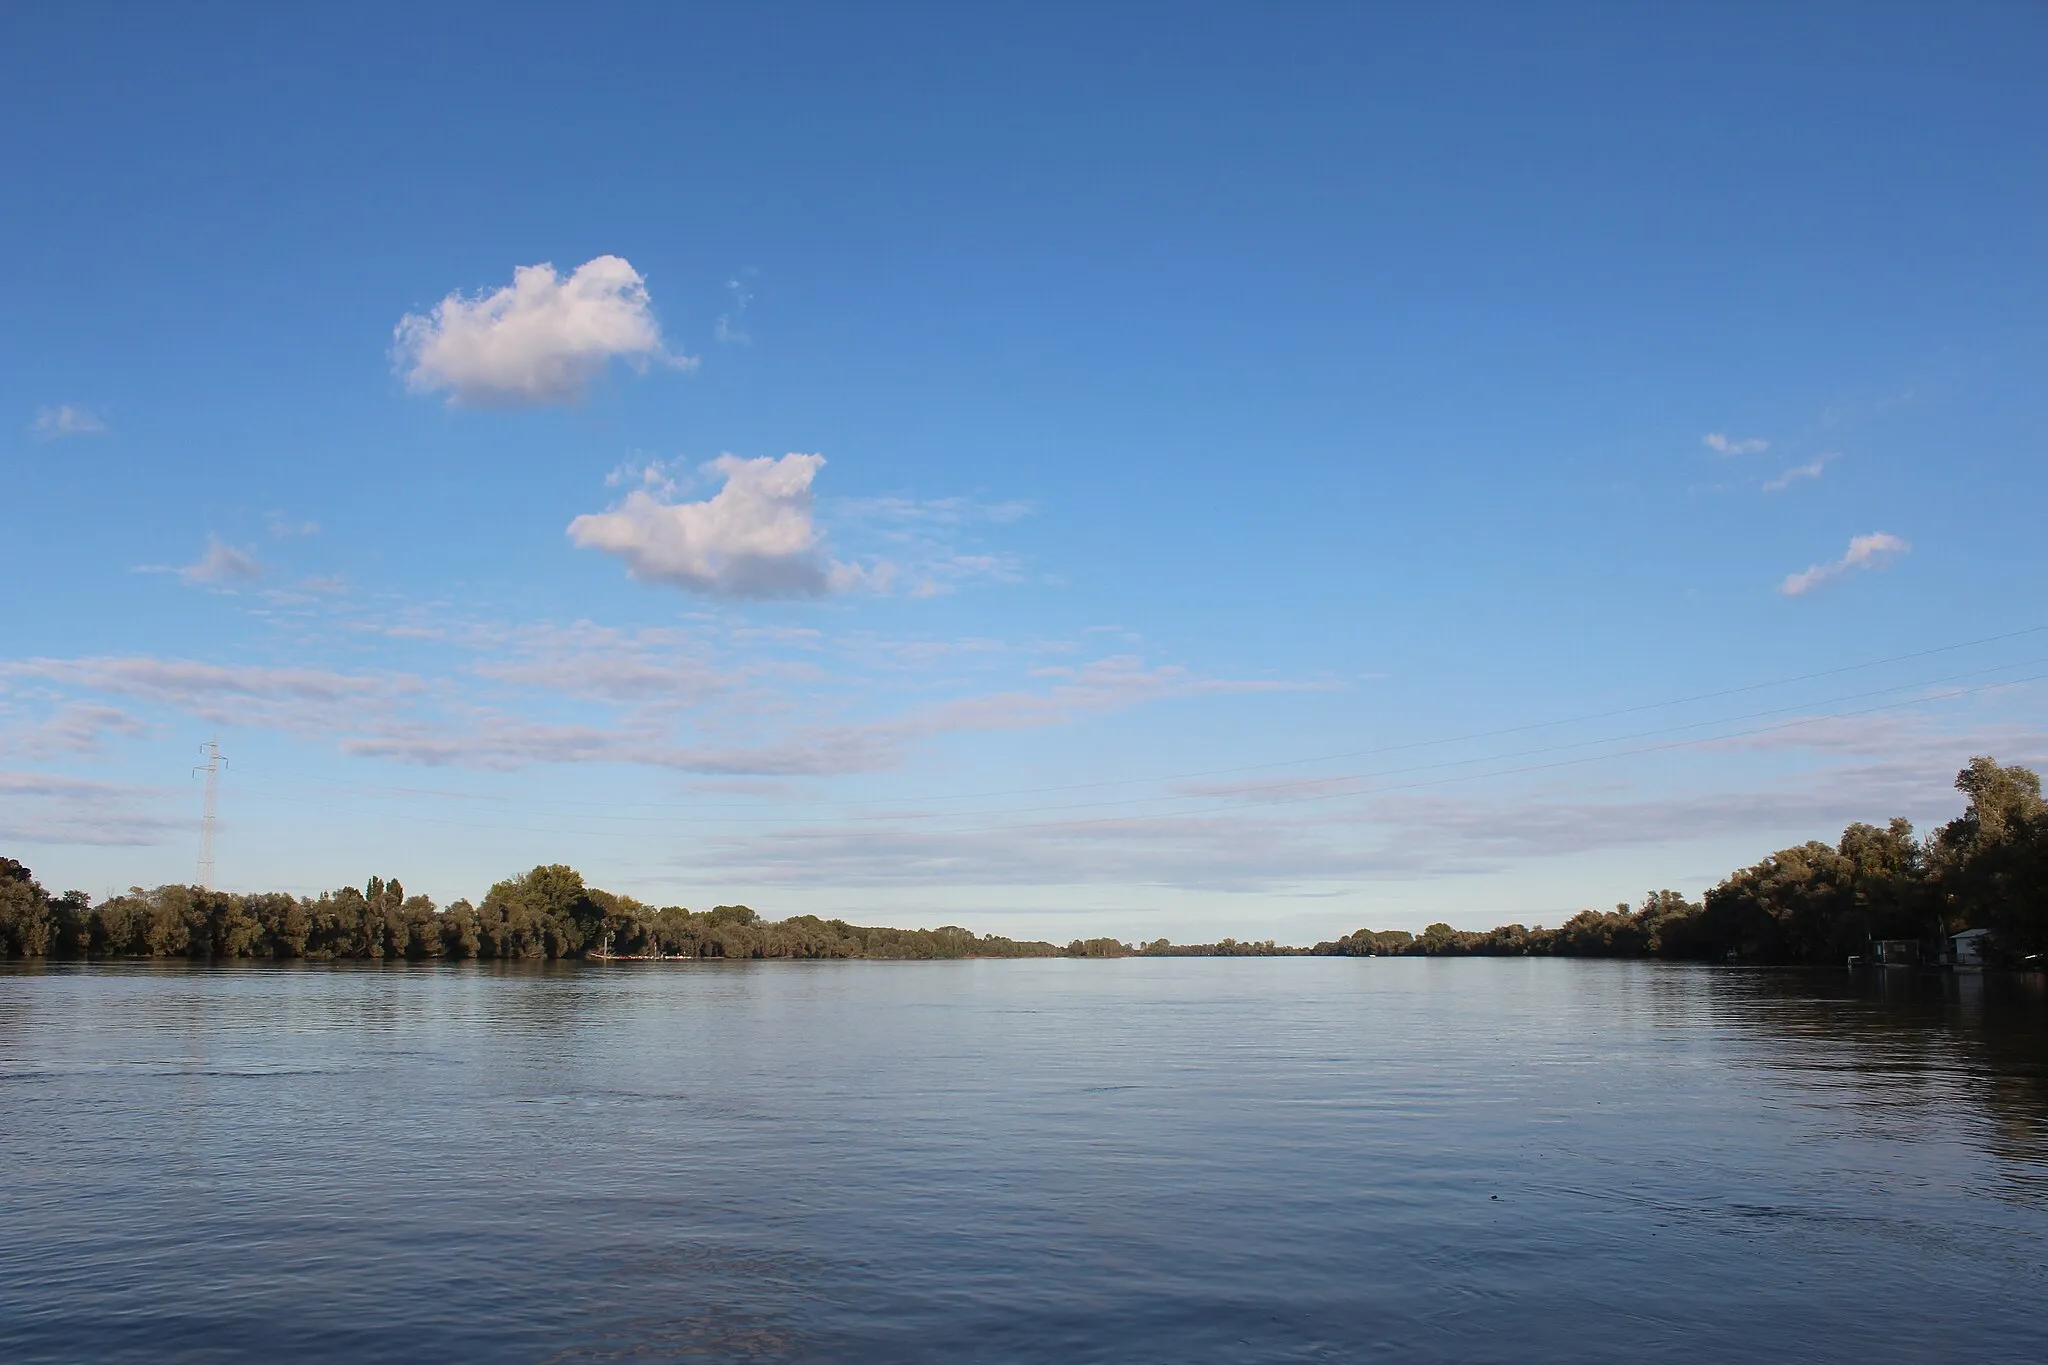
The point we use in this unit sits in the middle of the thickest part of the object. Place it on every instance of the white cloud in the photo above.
(541, 339)
(222, 564)
(54, 424)
(755, 537)
(1811, 470)
(1873, 551)
(1723, 444)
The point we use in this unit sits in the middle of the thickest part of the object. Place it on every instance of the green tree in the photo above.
(1990, 865)
(27, 922)
(546, 913)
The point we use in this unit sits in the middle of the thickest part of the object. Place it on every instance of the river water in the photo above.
(1173, 1160)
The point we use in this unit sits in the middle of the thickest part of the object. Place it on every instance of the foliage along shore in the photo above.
(1809, 904)
(1815, 904)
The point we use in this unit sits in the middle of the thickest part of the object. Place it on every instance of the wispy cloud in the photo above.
(54, 424)
(221, 565)
(1409, 836)
(74, 729)
(1929, 744)
(603, 663)
(1416, 837)
(668, 702)
(1873, 551)
(794, 742)
(661, 477)
(932, 542)
(731, 328)
(953, 511)
(1723, 444)
(283, 527)
(301, 700)
(49, 808)
(541, 339)
(1811, 470)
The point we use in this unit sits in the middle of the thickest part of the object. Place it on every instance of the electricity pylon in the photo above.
(214, 760)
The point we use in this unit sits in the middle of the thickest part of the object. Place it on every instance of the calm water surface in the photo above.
(1143, 1160)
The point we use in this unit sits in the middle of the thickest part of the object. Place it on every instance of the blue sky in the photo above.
(1140, 470)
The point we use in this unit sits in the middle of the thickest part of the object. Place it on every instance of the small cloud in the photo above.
(663, 478)
(222, 564)
(1793, 475)
(755, 537)
(541, 339)
(1722, 444)
(283, 527)
(1873, 551)
(878, 577)
(729, 330)
(54, 424)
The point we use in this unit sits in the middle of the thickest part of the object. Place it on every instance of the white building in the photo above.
(1969, 949)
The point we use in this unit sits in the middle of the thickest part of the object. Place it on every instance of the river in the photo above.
(1170, 1160)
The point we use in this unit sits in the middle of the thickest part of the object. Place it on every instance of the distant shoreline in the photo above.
(1880, 895)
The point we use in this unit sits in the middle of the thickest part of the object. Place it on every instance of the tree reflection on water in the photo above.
(1909, 1052)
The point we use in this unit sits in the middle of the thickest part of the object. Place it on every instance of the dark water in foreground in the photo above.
(1171, 1160)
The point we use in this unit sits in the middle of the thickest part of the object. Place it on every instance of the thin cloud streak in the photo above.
(65, 420)
(1874, 551)
(39, 808)
(1811, 470)
(1412, 837)
(76, 729)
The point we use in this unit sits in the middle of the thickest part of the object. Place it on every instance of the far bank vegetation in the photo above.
(1812, 903)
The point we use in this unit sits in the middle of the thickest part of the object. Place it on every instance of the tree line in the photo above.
(1812, 903)
(547, 913)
